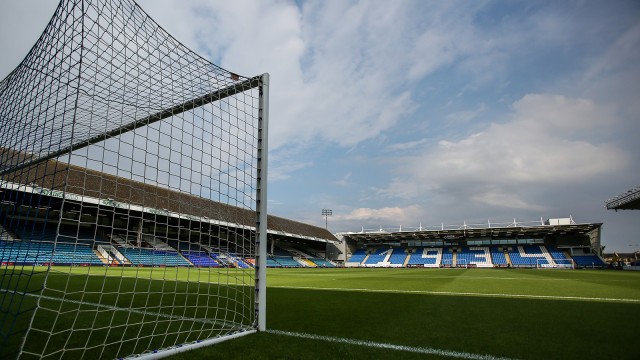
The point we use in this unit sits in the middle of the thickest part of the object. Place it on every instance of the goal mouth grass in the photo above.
(124, 312)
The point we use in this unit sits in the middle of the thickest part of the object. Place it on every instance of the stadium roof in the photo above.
(629, 200)
(464, 232)
(83, 184)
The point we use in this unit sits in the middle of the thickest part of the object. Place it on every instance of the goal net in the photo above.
(132, 192)
(555, 264)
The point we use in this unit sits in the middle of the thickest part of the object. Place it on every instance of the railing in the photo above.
(463, 226)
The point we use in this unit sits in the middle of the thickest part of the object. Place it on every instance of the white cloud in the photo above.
(406, 146)
(281, 170)
(618, 56)
(344, 181)
(339, 69)
(466, 115)
(499, 199)
(547, 142)
(386, 215)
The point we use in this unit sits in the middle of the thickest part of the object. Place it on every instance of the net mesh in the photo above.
(129, 171)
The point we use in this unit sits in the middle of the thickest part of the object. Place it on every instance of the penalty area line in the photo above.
(387, 346)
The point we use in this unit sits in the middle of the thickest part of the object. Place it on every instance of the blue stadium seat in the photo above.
(477, 256)
(527, 256)
(425, 257)
(286, 261)
(272, 263)
(39, 253)
(201, 259)
(498, 257)
(589, 260)
(377, 256)
(398, 256)
(150, 257)
(357, 256)
(321, 262)
(447, 257)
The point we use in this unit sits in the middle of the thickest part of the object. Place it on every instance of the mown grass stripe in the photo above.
(378, 345)
(454, 293)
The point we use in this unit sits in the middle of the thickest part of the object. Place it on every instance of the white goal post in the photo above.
(555, 264)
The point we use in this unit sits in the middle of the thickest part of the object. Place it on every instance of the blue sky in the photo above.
(425, 112)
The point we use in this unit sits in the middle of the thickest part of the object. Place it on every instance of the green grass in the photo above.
(524, 314)
(470, 311)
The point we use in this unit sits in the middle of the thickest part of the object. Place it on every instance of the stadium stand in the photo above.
(497, 256)
(234, 260)
(200, 258)
(426, 257)
(474, 256)
(306, 262)
(149, 257)
(35, 232)
(87, 246)
(184, 245)
(286, 261)
(380, 257)
(322, 262)
(528, 256)
(34, 253)
(588, 261)
(278, 251)
(447, 257)
(272, 263)
(74, 235)
(398, 256)
(358, 256)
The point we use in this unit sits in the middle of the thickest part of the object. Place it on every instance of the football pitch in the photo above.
(443, 313)
(362, 313)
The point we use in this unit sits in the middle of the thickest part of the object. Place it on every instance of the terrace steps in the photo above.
(102, 258)
(506, 255)
(546, 255)
(308, 263)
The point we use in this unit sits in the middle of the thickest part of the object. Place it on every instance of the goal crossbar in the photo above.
(555, 264)
(148, 120)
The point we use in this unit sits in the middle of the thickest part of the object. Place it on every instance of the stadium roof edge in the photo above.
(474, 232)
(108, 188)
(629, 200)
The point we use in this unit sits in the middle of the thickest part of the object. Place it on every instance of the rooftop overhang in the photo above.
(630, 200)
(471, 234)
(79, 200)
(286, 236)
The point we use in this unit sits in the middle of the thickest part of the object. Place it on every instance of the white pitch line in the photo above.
(370, 344)
(453, 293)
(387, 346)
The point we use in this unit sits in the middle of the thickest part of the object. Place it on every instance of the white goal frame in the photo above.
(564, 264)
